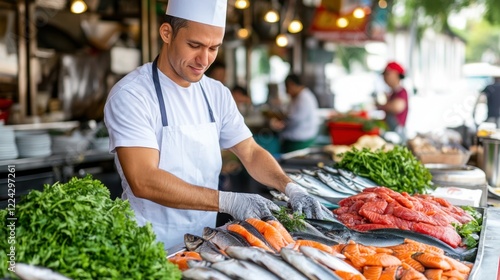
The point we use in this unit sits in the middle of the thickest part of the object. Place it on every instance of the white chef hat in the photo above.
(211, 12)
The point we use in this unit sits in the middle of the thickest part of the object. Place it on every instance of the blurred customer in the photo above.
(491, 96)
(217, 71)
(396, 107)
(300, 126)
(243, 101)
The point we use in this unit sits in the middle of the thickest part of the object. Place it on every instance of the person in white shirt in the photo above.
(301, 126)
(167, 122)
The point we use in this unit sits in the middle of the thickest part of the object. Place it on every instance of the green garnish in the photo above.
(291, 221)
(397, 169)
(76, 229)
(470, 231)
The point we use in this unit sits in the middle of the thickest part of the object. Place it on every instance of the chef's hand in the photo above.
(302, 202)
(246, 205)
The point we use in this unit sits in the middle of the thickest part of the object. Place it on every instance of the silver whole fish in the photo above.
(209, 256)
(221, 238)
(331, 170)
(244, 270)
(309, 172)
(205, 248)
(350, 184)
(327, 260)
(203, 273)
(307, 266)
(28, 271)
(332, 183)
(197, 263)
(358, 180)
(315, 186)
(259, 256)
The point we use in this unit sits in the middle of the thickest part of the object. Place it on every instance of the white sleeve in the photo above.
(233, 127)
(129, 120)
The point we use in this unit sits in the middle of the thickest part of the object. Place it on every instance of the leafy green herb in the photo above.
(397, 169)
(470, 231)
(291, 221)
(78, 231)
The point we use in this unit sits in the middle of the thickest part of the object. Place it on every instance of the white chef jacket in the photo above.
(302, 118)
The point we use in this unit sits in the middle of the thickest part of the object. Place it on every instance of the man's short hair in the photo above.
(215, 65)
(176, 23)
(294, 79)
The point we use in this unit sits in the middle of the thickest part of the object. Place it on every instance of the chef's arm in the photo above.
(140, 166)
(260, 164)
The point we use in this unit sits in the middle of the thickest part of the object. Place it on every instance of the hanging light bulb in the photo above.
(282, 40)
(359, 13)
(243, 33)
(272, 16)
(295, 26)
(78, 6)
(241, 4)
(382, 4)
(342, 22)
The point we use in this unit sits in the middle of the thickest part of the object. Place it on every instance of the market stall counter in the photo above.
(486, 262)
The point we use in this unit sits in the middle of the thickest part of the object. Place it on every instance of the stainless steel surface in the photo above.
(457, 174)
(461, 176)
(491, 160)
(480, 247)
(486, 265)
(52, 125)
(296, 153)
(23, 164)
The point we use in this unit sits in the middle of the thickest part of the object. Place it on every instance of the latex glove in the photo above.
(300, 201)
(246, 205)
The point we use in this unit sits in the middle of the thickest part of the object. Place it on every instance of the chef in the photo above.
(167, 123)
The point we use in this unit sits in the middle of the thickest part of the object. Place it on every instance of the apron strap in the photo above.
(212, 119)
(159, 94)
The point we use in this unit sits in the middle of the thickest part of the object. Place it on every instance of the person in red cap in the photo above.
(396, 107)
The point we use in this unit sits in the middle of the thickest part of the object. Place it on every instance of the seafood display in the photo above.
(381, 207)
(280, 254)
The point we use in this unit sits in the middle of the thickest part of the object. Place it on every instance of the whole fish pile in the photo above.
(330, 184)
(257, 249)
(380, 208)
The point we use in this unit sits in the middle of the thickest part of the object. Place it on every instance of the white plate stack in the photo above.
(8, 148)
(33, 143)
(101, 144)
(62, 144)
